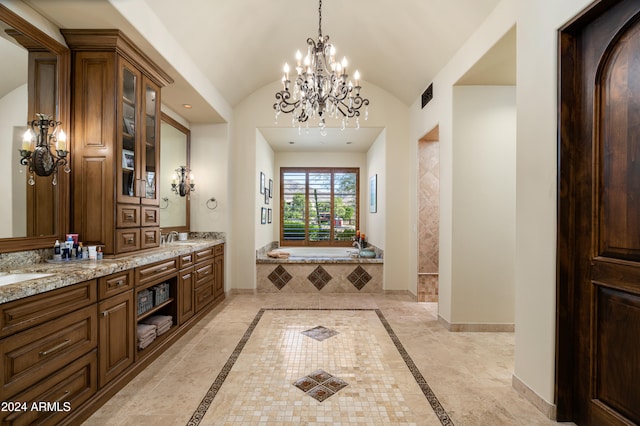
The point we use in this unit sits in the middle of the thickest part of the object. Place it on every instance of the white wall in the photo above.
(439, 113)
(483, 236)
(209, 162)
(375, 222)
(256, 111)
(536, 163)
(265, 164)
(536, 169)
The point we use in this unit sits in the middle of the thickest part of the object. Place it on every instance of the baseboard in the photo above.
(242, 291)
(477, 327)
(546, 408)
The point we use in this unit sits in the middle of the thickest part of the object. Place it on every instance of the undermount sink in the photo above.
(18, 278)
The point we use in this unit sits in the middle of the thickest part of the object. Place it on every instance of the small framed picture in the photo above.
(128, 159)
(262, 183)
(263, 215)
(270, 188)
(373, 194)
(266, 195)
(269, 215)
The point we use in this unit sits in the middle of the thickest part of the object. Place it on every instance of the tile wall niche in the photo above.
(428, 219)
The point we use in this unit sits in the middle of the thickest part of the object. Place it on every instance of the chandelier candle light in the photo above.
(322, 87)
(36, 148)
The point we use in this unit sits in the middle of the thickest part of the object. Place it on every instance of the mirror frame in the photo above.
(64, 74)
(170, 121)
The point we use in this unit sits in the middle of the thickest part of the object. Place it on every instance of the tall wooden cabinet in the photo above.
(116, 156)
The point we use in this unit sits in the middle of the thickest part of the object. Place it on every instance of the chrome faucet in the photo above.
(172, 236)
(357, 245)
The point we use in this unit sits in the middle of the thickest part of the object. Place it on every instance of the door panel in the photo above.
(598, 360)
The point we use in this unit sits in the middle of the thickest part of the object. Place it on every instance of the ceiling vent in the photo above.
(427, 95)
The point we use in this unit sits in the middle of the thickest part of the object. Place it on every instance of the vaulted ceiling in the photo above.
(241, 45)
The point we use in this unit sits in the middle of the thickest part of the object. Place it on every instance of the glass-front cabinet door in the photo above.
(151, 161)
(128, 157)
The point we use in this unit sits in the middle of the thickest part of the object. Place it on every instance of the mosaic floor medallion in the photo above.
(320, 385)
(320, 333)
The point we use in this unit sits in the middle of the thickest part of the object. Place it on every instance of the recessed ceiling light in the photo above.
(187, 106)
(291, 142)
(349, 142)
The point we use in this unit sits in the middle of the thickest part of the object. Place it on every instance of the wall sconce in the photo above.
(36, 148)
(181, 183)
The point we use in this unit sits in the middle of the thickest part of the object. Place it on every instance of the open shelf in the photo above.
(155, 309)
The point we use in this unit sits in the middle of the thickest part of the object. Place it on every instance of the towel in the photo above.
(157, 320)
(145, 330)
(146, 342)
(164, 328)
(278, 254)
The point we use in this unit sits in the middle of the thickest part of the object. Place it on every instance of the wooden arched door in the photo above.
(598, 368)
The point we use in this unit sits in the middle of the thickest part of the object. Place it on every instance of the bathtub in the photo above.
(313, 269)
(320, 252)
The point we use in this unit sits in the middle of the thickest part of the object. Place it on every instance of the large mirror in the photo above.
(35, 75)
(175, 145)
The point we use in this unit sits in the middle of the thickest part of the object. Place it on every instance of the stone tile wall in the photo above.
(428, 219)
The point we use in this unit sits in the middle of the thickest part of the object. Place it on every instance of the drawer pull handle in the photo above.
(119, 283)
(130, 241)
(62, 398)
(164, 268)
(55, 348)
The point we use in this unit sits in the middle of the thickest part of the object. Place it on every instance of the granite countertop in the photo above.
(68, 273)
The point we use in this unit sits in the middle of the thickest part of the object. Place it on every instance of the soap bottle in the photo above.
(56, 251)
(99, 253)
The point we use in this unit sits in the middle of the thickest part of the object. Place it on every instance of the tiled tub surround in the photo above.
(332, 273)
(68, 273)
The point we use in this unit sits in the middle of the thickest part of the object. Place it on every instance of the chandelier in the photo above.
(36, 148)
(321, 87)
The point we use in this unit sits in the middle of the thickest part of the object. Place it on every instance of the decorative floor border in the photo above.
(204, 405)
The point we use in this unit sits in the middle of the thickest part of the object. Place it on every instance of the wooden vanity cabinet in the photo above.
(186, 288)
(116, 127)
(116, 319)
(218, 268)
(48, 351)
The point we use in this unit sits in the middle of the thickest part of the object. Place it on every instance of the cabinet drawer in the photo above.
(204, 295)
(218, 250)
(150, 216)
(127, 240)
(32, 355)
(185, 261)
(203, 273)
(127, 216)
(150, 237)
(69, 388)
(156, 271)
(203, 254)
(115, 284)
(21, 314)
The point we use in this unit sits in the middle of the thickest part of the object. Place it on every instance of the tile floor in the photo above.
(391, 361)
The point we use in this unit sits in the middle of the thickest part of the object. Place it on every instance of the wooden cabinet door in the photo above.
(218, 267)
(117, 336)
(128, 154)
(186, 295)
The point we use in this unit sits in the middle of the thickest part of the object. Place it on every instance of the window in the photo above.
(319, 206)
